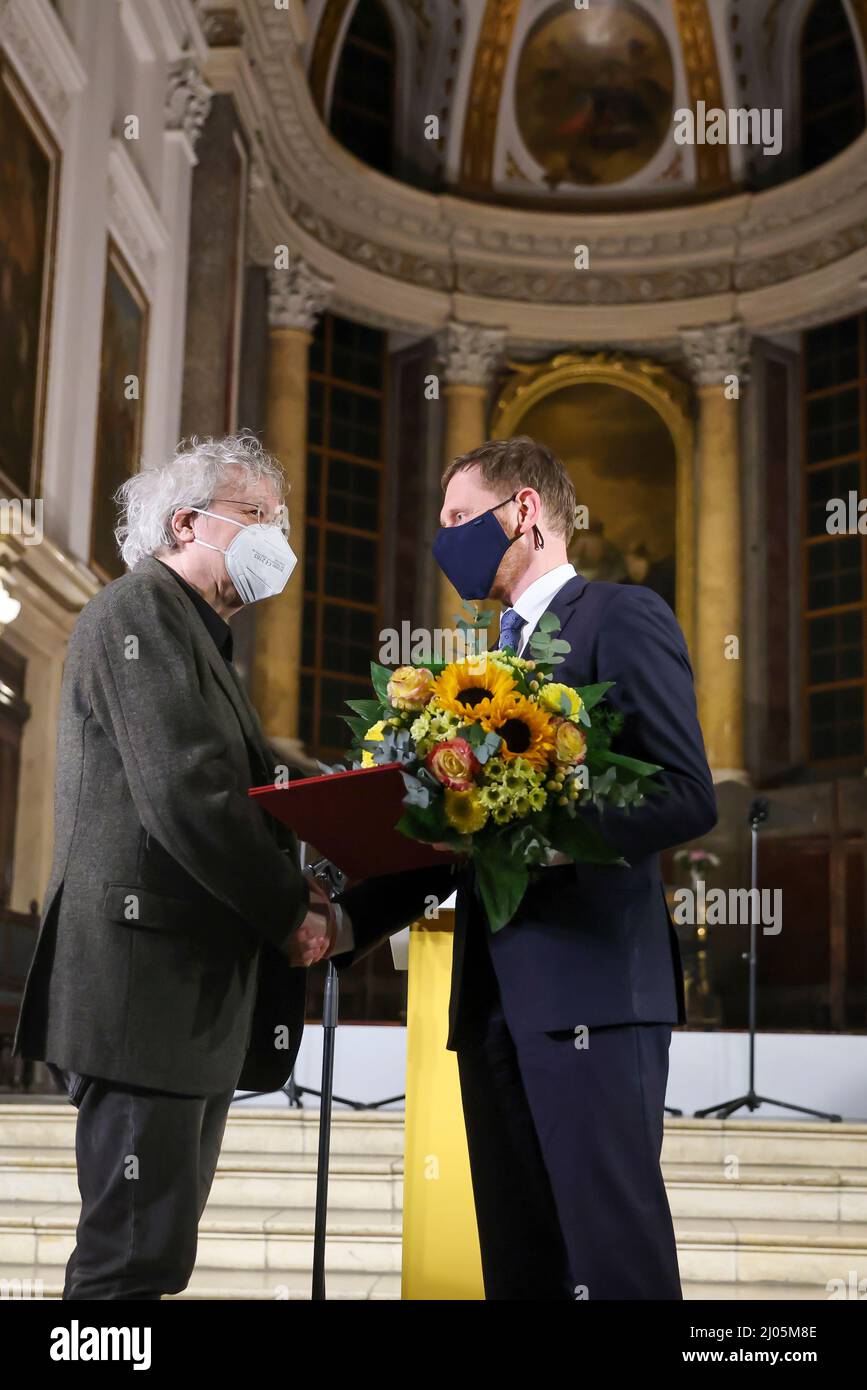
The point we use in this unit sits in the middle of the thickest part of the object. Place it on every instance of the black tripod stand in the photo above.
(758, 813)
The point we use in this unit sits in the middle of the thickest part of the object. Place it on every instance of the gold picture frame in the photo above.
(28, 227)
(117, 453)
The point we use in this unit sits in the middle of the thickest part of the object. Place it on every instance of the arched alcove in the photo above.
(623, 428)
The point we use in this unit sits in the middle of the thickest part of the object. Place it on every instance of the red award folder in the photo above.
(350, 817)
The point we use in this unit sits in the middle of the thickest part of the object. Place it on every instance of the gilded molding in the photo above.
(486, 89)
(530, 382)
(703, 75)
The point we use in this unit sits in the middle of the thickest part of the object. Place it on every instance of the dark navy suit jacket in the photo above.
(589, 945)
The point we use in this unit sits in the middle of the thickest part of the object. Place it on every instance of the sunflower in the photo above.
(526, 730)
(469, 688)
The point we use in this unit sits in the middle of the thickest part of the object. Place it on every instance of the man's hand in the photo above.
(312, 941)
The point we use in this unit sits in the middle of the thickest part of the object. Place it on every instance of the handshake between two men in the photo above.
(315, 938)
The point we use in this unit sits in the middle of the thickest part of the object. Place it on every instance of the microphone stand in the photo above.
(329, 877)
(329, 1027)
(758, 813)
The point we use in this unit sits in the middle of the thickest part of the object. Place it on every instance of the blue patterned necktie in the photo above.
(511, 627)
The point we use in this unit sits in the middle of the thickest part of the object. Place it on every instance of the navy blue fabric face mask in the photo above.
(469, 555)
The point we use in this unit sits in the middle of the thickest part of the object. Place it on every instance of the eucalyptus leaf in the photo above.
(417, 794)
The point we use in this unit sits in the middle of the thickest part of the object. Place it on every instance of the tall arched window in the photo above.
(835, 561)
(362, 108)
(832, 90)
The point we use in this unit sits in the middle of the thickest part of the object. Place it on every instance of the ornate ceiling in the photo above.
(412, 259)
(570, 103)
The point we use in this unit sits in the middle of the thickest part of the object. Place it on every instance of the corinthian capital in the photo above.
(716, 351)
(469, 352)
(188, 99)
(296, 296)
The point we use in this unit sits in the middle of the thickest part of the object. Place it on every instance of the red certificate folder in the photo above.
(350, 817)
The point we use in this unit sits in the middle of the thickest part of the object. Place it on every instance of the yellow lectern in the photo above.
(440, 1240)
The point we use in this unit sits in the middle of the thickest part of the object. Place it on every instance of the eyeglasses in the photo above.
(258, 514)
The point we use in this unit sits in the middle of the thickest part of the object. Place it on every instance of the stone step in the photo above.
(755, 1141)
(274, 1180)
(368, 1133)
(231, 1238)
(41, 1126)
(790, 1192)
(750, 1293)
(738, 1251)
(767, 1192)
(32, 1281)
(26, 1282)
(711, 1250)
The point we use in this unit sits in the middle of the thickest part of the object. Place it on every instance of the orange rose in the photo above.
(454, 764)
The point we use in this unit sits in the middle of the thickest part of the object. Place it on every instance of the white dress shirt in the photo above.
(537, 598)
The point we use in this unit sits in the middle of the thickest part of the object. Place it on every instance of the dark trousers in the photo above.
(564, 1144)
(146, 1162)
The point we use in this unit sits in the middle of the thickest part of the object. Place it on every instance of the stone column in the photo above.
(470, 354)
(716, 354)
(296, 296)
(188, 100)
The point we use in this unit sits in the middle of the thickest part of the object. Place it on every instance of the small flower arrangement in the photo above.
(499, 759)
(697, 860)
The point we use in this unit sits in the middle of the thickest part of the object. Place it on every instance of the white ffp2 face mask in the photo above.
(259, 560)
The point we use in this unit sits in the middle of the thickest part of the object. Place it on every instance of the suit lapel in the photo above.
(226, 675)
(562, 603)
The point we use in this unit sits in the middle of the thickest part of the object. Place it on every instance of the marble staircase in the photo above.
(763, 1209)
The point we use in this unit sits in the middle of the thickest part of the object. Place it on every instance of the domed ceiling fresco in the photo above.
(560, 104)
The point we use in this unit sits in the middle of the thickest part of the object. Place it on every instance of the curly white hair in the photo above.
(149, 499)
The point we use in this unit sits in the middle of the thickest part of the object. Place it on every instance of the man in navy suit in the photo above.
(562, 1020)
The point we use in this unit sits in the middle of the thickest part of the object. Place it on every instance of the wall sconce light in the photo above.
(9, 607)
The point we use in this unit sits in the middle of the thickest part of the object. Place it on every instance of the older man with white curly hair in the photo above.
(169, 968)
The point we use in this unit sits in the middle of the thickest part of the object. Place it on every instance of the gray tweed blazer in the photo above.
(159, 960)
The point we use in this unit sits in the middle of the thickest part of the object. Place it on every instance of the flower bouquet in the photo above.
(499, 759)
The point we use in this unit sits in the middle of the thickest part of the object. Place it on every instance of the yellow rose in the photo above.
(551, 698)
(375, 732)
(410, 687)
(570, 743)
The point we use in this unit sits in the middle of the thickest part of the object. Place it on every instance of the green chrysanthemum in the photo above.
(511, 790)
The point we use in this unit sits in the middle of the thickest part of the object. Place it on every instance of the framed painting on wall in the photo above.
(120, 409)
(29, 173)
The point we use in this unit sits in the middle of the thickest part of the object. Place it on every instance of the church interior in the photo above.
(376, 233)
